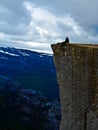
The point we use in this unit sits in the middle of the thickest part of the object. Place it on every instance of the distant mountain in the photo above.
(32, 69)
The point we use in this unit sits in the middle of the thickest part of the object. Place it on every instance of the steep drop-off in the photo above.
(77, 74)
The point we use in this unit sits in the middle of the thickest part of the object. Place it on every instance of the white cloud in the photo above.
(36, 24)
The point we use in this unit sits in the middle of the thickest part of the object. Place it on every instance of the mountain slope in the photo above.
(32, 69)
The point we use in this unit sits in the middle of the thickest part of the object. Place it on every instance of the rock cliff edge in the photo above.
(77, 74)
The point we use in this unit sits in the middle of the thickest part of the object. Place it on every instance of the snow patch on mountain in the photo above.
(4, 58)
(45, 54)
(24, 54)
(8, 53)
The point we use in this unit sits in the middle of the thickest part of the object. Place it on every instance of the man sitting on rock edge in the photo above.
(66, 42)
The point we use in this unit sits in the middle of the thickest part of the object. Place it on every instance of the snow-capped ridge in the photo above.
(8, 53)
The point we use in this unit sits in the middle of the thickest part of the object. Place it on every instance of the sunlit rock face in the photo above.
(77, 74)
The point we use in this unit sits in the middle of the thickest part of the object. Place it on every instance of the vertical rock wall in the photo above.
(77, 74)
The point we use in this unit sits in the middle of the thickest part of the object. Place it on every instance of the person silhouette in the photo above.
(66, 40)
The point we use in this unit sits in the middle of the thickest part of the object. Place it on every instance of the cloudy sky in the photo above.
(36, 24)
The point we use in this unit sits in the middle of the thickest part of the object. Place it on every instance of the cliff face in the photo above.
(77, 74)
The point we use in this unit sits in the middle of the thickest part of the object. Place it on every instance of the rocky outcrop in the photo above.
(27, 107)
(77, 73)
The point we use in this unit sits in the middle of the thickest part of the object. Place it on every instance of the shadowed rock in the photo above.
(27, 106)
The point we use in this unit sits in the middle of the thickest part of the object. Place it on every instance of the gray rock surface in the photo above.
(77, 73)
